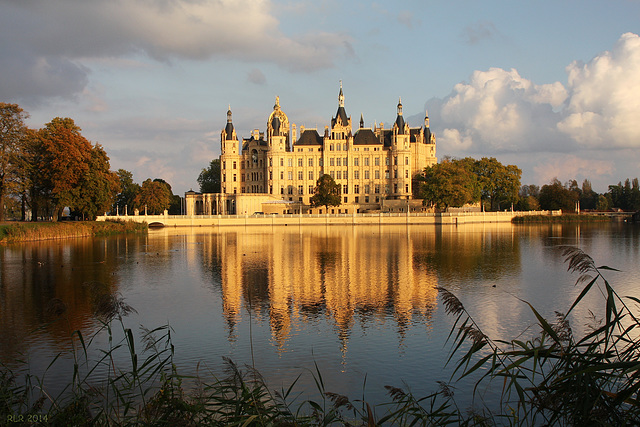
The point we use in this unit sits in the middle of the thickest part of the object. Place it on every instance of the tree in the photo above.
(209, 178)
(63, 163)
(327, 193)
(98, 188)
(499, 184)
(449, 184)
(588, 197)
(175, 206)
(128, 191)
(12, 135)
(555, 196)
(153, 195)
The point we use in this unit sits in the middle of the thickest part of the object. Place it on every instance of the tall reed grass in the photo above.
(26, 231)
(554, 378)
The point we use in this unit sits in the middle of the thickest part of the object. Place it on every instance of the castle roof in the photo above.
(309, 137)
(365, 137)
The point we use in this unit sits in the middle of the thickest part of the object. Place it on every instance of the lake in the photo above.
(360, 302)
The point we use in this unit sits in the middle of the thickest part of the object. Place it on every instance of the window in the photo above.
(234, 177)
(300, 162)
(281, 161)
(271, 189)
(367, 189)
(366, 199)
(332, 175)
(270, 162)
(344, 147)
(281, 174)
(338, 146)
(406, 188)
(345, 189)
(395, 160)
(386, 161)
(330, 147)
(300, 177)
(290, 188)
(234, 164)
(224, 165)
(377, 189)
(377, 161)
(357, 200)
(356, 189)
(338, 162)
(406, 160)
(320, 162)
(356, 161)
(366, 174)
(310, 161)
(224, 177)
(406, 174)
(377, 174)
(310, 175)
(386, 188)
(332, 161)
(366, 161)
(345, 162)
(339, 174)
(242, 178)
(395, 188)
(300, 191)
(289, 162)
(290, 174)
(346, 200)
(270, 175)
(311, 189)
(395, 173)
(345, 174)
(281, 190)
(356, 174)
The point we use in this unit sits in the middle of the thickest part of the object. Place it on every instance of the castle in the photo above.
(276, 171)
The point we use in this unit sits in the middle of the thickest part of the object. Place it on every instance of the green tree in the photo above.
(555, 196)
(588, 197)
(175, 207)
(154, 195)
(327, 193)
(64, 162)
(449, 184)
(499, 184)
(12, 136)
(98, 188)
(129, 189)
(209, 178)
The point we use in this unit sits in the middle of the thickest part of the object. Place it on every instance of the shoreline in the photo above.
(22, 232)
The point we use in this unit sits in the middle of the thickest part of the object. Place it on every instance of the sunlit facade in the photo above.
(276, 171)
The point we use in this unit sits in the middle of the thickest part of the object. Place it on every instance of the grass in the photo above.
(14, 232)
(554, 378)
(564, 218)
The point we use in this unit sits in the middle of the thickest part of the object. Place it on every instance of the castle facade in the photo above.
(276, 171)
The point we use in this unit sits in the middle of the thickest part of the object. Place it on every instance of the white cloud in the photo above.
(46, 42)
(256, 76)
(570, 166)
(499, 110)
(604, 101)
(479, 31)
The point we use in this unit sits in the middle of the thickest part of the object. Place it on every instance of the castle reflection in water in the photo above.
(343, 273)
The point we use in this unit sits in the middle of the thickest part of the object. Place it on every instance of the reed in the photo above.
(553, 378)
(564, 218)
(27, 231)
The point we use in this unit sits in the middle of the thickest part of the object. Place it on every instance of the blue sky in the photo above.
(551, 86)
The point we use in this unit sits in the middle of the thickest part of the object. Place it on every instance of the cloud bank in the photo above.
(45, 43)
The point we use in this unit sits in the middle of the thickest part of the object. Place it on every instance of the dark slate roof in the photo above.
(343, 117)
(400, 124)
(427, 135)
(229, 130)
(309, 137)
(275, 124)
(247, 141)
(365, 137)
(388, 137)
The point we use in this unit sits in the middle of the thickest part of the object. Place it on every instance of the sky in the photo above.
(550, 86)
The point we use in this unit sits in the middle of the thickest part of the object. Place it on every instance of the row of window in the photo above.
(338, 174)
(333, 161)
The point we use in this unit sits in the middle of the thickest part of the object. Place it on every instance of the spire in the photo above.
(229, 128)
(426, 118)
(399, 106)
(277, 106)
(361, 121)
(400, 120)
(341, 96)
